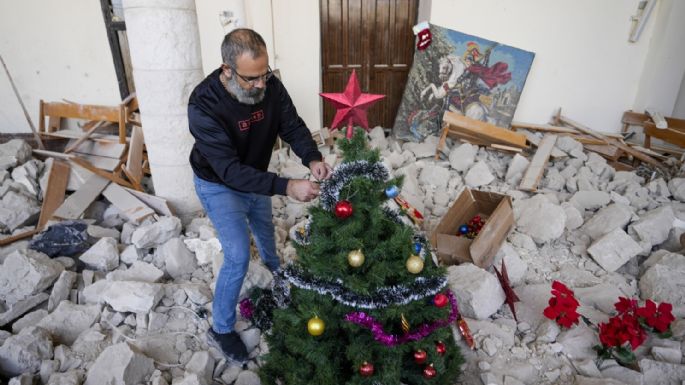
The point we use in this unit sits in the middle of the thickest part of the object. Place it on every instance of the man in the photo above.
(235, 115)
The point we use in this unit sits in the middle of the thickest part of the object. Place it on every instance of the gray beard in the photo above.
(252, 96)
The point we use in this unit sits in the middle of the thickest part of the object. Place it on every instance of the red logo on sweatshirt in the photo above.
(247, 123)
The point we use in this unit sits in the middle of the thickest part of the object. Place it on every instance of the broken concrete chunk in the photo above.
(654, 226)
(120, 364)
(71, 377)
(540, 219)
(24, 352)
(139, 271)
(462, 157)
(61, 289)
(156, 233)
(28, 320)
(590, 200)
(202, 364)
(663, 282)
(205, 251)
(27, 175)
(13, 153)
(17, 210)
(131, 254)
(479, 175)
(677, 188)
(178, 260)
(103, 255)
(434, 175)
(574, 218)
(25, 273)
(135, 297)
(666, 373)
(614, 249)
(424, 149)
(478, 292)
(607, 219)
(69, 320)
(517, 167)
(21, 307)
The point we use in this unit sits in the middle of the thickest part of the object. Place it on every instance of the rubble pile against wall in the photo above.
(133, 305)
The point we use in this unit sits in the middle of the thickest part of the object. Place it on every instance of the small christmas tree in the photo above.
(365, 303)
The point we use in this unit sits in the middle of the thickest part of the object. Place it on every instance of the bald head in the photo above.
(241, 41)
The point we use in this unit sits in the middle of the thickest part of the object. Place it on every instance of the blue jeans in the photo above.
(232, 212)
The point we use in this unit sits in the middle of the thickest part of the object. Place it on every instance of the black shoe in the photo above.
(230, 344)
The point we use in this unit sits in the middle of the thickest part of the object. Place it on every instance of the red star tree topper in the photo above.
(351, 105)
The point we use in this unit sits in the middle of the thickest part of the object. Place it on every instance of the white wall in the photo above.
(665, 63)
(53, 50)
(583, 63)
(292, 38)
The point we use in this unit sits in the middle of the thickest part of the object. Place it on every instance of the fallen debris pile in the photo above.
(126, 296)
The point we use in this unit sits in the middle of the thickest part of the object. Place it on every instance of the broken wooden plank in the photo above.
(537, 166)
(107, 175)
(501, 147)
(82, 111)
(99, 162)
(552, 129)
(607, 151)
(131, 207)
(535, 140)
(73, 134)
(16, 237)
(134, 163)
(638, 119)
(484, 130)
(630, 151)
(84, 137)
(160, 205)
(78, 202)
(669, 135)
(104, 149)
(54, 193)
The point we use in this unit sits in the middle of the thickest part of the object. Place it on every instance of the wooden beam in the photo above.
(607, 151)
(98, 162)
(14, 238)
(134, 164)
(553, 129)
(54, 194)
(84, 137)
(82, 111)
(483, 130)
(668, 135)
(535, 140)
(637, 154)
(107, 175)
(537, 166)
(71, 134)
(103, 149)
(78, 202)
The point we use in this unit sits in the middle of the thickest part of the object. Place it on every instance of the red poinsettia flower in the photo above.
(658, 317)
(621, 330)
(626, 305)
(562, 306)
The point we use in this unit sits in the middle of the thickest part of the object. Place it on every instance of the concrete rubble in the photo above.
(133, 307)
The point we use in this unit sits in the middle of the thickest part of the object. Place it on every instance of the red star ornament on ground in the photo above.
(351, 105)
(509, 293)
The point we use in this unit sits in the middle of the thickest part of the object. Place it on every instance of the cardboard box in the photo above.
(498, 214)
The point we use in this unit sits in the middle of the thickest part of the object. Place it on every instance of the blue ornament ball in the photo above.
(463, 229)
(417, 248)
(392, 191)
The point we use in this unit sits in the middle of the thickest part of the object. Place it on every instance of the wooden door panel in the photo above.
(374, 38)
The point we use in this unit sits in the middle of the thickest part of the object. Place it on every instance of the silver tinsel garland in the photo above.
(422, 287)
(343, 175)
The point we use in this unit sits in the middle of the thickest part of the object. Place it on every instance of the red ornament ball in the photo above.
(440, 300)
(420, 356)
(366, 370)
(343, 209)
(440, 348)
(429, 372)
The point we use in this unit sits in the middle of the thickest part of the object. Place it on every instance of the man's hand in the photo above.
(302, 190)
(320, 170)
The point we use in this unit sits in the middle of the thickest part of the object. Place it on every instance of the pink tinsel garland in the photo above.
(367, 321)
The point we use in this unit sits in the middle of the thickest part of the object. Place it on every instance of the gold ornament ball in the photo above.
(414, 264)
(355, 258)
(316, 326)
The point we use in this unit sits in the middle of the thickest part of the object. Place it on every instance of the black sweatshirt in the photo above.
(234, 141)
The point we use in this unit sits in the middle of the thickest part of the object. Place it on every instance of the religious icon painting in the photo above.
(479, 78)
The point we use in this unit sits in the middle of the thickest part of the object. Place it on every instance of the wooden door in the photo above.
(373, 37)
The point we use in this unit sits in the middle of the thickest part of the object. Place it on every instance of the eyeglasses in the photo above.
(253, 80)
